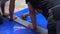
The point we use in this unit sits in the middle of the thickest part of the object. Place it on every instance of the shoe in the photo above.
(23, 17)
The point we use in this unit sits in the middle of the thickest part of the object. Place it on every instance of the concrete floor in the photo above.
(19, 5)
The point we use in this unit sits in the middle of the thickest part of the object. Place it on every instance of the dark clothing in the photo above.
(1, 19)
(54, 26)
(51, 27)
(52, 3)
(39, 4)
(36, 3)
(58, 27)
(2, 1)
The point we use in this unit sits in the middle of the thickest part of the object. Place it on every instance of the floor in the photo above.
(19, 5)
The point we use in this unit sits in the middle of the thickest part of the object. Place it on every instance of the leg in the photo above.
(3, 10)
(33, 16)
(33, 19)
(11, 9)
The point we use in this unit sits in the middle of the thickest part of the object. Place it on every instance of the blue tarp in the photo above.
(12, 27)
(41, 21)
